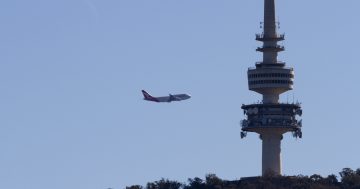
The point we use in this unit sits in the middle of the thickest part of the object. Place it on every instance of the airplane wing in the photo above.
(180, 97)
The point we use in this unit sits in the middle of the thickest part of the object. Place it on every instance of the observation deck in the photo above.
(266, 78)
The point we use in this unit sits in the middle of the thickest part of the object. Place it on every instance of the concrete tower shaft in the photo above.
(271, 152)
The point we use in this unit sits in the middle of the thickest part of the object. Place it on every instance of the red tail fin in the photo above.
(148, 97)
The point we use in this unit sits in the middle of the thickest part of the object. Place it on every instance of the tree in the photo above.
(164, 184)
(316, 177)
(332, 180)
(350, 178)
(212, 179)
(195, 183)
(134, 187)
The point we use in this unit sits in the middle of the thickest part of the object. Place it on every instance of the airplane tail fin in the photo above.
(147, 96)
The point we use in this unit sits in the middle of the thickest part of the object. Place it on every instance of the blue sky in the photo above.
(71, 71)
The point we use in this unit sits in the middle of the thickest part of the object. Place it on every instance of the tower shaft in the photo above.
(271, 153)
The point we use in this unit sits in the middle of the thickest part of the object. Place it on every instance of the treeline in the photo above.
(349, 179)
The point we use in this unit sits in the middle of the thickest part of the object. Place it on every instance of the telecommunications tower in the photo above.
(270, 118)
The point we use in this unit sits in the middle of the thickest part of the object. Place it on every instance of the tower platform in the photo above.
(279, 117)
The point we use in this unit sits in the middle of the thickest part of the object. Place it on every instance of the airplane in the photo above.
(170, 98)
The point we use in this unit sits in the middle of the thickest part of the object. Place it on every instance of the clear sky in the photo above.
(71, 71)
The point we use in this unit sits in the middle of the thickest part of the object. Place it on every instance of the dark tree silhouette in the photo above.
(164, 184)
(195, 183)
(135, 187)
(349, 179)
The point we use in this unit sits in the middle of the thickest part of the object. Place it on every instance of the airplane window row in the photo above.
(271, 75)
(270, 81)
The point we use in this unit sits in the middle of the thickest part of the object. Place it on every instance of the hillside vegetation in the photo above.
(349, 179)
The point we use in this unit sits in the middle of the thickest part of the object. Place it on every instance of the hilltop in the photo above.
(349, 179)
